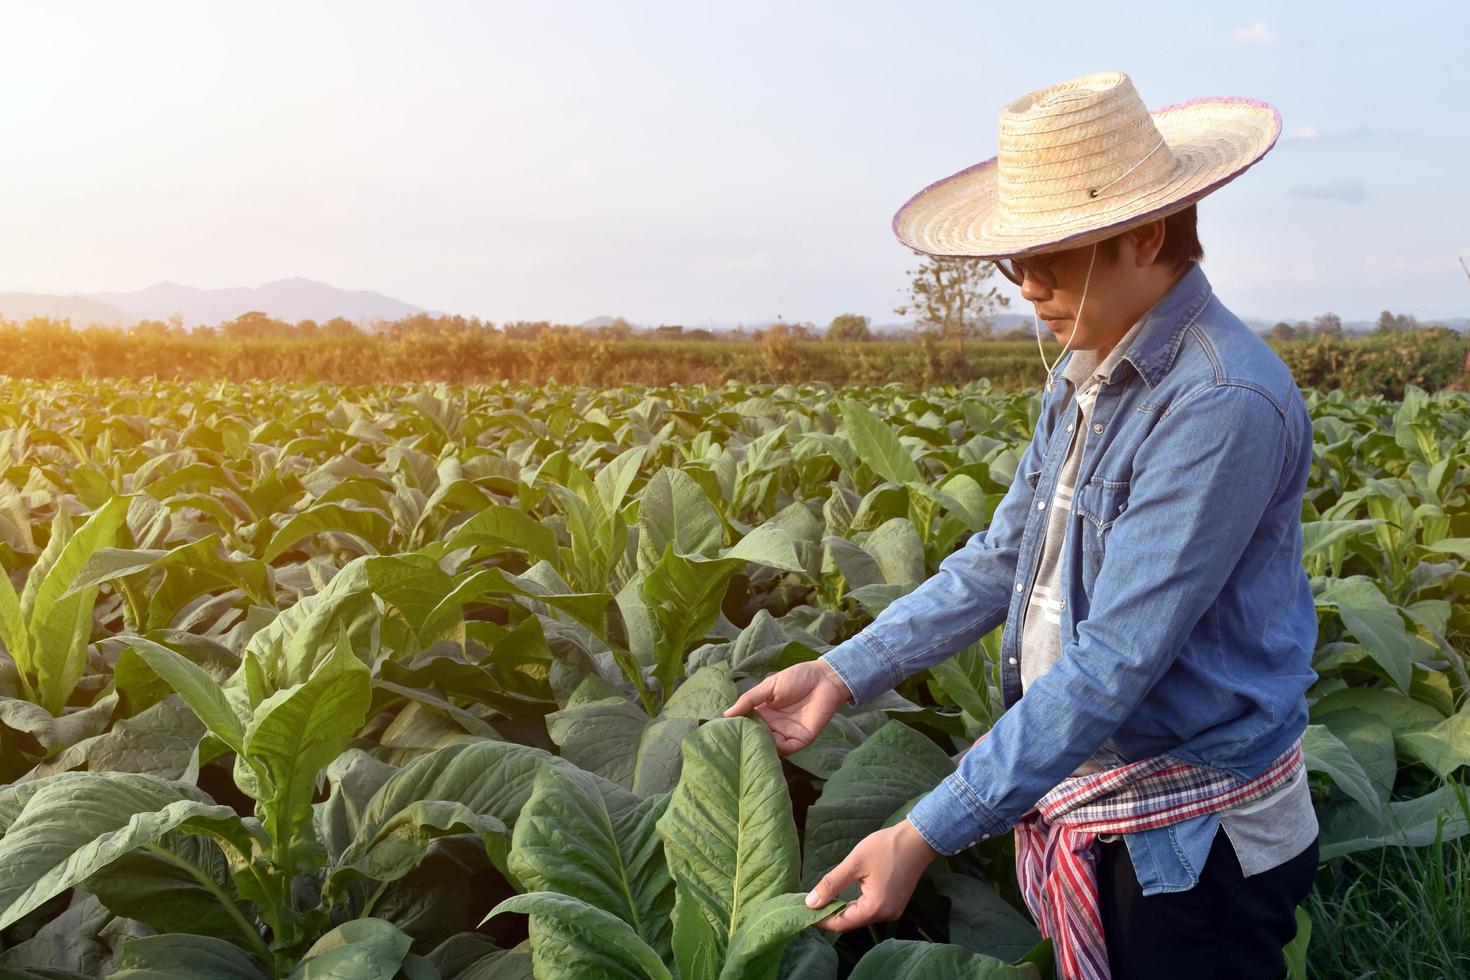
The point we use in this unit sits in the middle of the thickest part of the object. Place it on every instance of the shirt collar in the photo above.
(1152, 342)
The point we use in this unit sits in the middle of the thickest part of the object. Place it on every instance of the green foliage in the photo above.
(311, 679)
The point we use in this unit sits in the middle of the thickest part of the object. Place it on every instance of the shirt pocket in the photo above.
(1098, 504)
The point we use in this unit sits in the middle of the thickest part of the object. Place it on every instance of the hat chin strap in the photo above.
(1050, 379)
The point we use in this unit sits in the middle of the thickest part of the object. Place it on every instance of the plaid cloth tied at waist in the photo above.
(1056, 841)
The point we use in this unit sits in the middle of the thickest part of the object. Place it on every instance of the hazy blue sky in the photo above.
(686, 162)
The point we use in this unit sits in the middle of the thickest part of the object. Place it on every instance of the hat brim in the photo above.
(1215, 140)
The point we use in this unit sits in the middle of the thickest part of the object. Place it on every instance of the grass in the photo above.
(1398, 912)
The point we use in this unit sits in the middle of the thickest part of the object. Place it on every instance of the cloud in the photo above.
(1312, 134)
(1257, 33)
(1349, 189)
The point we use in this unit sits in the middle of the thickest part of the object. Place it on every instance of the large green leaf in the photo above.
(683, 596)
(1443, 748)
(587, 608)
(295, 733)
(1370, 617)
(176, 956)
(201, 692)
(1407, 823)
(983, 922)
(875, 779)
(498, 526)
(290, 646)
(399, 843)
(755, 951)
(163, 739)
(1295, 952)
(877, 445)
(362, 949)
(728, 834)
(911, 959)
(1323, 751)
(491, 779)
(584, 837)
(354, 777)
(614, 737)
(76, 823)
(15, 634)
(181, 884)
(848, 729)
(571, 940)
(203, 555)
(809, 956)
(1399, 712)
(673, 509)
(370, 526)
(771, 546)
(898, 551)
(61, 621)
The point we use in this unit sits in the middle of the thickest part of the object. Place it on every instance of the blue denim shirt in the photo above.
(1189, 623)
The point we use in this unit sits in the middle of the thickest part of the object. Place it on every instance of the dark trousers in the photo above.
(1226, 926)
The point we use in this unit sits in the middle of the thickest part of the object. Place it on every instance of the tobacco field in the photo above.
(426, 681)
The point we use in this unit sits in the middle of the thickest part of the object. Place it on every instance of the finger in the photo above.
(756, 695)
(826, 889)
(854, 915)
(788, 743)
(789, 735)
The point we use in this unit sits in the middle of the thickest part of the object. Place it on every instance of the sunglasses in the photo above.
(1016, 269)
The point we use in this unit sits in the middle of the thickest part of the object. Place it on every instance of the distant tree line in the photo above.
(949, 298)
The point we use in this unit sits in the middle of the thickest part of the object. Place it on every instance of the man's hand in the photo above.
(795, 703)
(888, 862)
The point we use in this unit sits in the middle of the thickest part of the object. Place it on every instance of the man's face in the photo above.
(1120, 290)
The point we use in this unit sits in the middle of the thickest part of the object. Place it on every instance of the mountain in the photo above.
(285, 299)
(80, 310)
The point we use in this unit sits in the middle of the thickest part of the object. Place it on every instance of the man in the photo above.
(1146, 561)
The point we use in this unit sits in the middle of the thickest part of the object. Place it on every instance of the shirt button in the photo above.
(1041, 505)
(1013, 659)
(1062, 603)
(1097, 427)
(1018, 586)
(1069, 426)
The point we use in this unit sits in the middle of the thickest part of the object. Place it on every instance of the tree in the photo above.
(525, 330)
(803, 330)
(254, 325)
(340, 327)
(1388, 321)
(948, 295)
(1329, 324)
(849, 326)
(1283, 331)
(150, 328)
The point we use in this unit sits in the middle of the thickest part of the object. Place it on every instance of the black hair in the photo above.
(1181, 241)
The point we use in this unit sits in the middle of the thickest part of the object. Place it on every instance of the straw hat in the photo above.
(1081, 161)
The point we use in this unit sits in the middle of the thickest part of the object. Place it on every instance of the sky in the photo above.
(689, 162)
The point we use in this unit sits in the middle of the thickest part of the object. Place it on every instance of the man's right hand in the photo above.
(795, 703)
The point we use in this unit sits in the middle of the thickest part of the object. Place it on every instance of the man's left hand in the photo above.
(888, 863)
